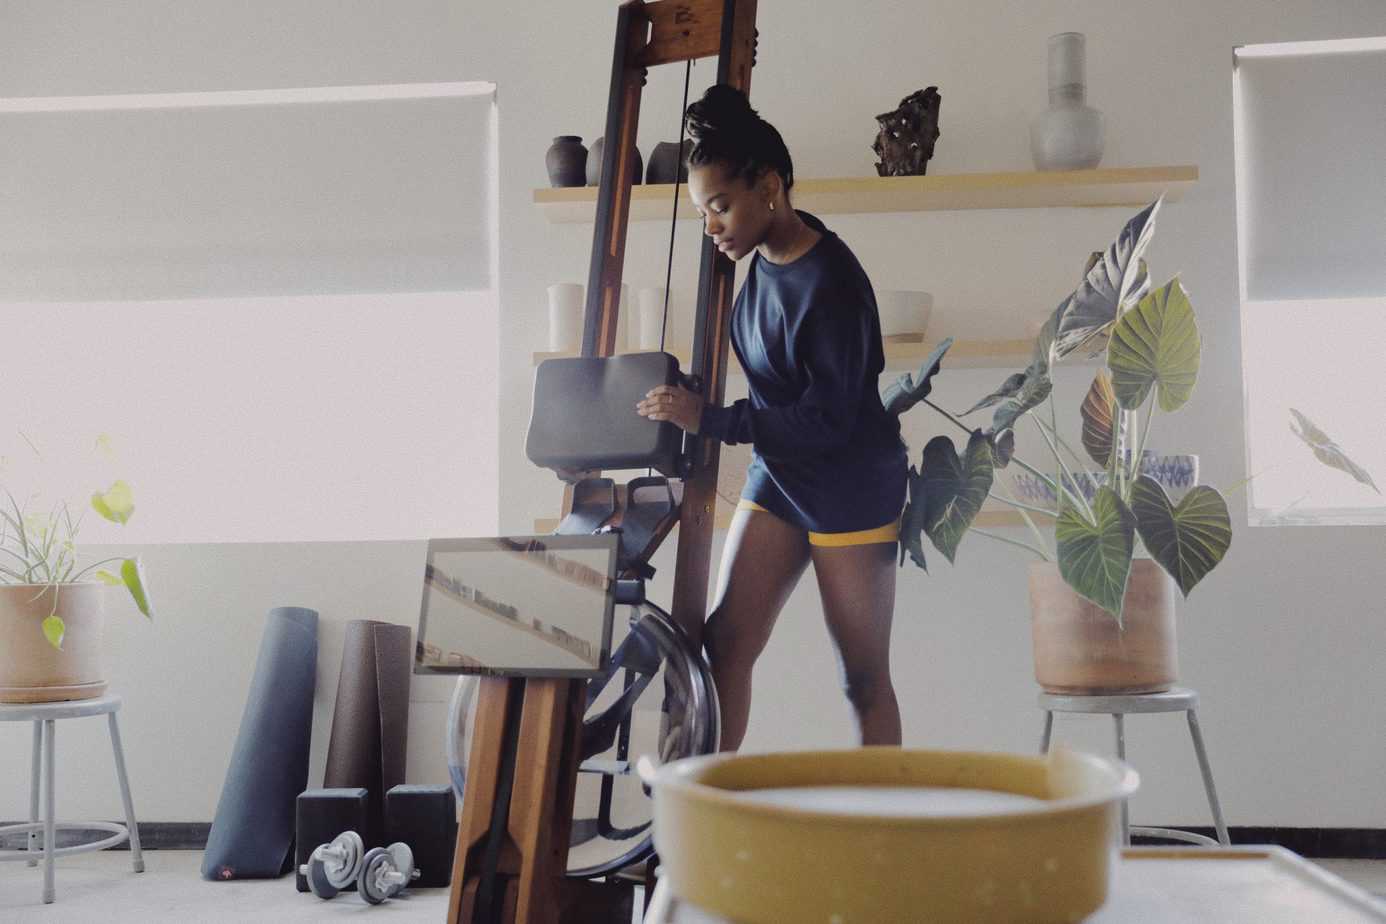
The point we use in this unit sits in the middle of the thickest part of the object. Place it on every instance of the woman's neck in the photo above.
(789, 238)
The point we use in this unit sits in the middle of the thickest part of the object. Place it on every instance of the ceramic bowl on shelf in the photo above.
(877, 834)
(904, 313)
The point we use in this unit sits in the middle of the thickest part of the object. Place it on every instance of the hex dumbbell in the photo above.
(334, 866)
(385, 872)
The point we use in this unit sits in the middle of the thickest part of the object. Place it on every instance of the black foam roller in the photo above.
(252, 836)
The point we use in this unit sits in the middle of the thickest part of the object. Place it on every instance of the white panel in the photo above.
(259, 420)
(1322, 358)
(1311, 177)
(233, 194)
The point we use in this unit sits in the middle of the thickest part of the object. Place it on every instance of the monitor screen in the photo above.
(517, 606)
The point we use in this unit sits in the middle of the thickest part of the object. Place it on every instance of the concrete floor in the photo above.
(99, 887)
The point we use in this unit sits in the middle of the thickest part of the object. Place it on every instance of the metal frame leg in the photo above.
(1121, 756)
(1048, 731)
(137, 859)
(34, 774)
(49, 824)
(1208, 779)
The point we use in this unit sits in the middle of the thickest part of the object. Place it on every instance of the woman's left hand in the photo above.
(675, 403)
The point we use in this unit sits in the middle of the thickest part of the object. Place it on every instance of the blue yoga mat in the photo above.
(252, 836)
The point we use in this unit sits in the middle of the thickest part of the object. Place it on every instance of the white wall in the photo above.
(1283, 640)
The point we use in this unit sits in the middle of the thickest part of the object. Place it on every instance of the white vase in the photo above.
(565, 317)
(904, 312)
(1069, 135)
(651, 316)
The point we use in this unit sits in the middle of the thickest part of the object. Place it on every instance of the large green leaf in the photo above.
(1188, 540)
(1099, 414)
(1032, 392)
(1095, 558)
(1118, 278)
(1327, 451)
(907, 391)
(1157, 343)
(954, 488)
(912, 523)
(1014, 382)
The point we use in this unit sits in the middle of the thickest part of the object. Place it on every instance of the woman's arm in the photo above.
(834, 348)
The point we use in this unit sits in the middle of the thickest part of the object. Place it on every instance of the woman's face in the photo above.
(735, 214)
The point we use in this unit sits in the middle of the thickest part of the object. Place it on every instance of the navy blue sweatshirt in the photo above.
(827, 456)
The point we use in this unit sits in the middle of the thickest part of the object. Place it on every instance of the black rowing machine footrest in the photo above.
(594, 502)
(584, 418)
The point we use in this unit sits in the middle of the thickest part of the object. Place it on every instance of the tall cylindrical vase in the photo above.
(651, 317)
(565, 317)
(1069, 135)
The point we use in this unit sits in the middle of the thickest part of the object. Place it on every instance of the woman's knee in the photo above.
(866, 687)
(728, 640)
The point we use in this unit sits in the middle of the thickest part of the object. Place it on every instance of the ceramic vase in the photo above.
(667, 163)
(904, 313)
(1069, 134)
(566, 161)
(565, 317)
(594, 164)
(651, 302)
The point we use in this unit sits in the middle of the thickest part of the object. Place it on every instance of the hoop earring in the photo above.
(772, 206)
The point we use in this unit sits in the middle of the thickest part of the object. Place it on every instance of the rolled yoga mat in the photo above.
(370, 722)
(253, 833)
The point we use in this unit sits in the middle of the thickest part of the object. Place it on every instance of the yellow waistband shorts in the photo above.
(890, 532)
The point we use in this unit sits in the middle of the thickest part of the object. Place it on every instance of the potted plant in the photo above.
(51, 611)
(1103, 615)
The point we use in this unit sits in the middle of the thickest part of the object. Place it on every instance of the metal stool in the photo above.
(1176, 699)
(45, 717)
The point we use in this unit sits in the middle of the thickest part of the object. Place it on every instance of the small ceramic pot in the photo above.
(566, 161)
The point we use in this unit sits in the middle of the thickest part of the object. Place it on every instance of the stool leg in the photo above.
(1208, 780)
(135, 856)
(50, 834)
(34, 774)
(1121, 756)
(1048, 731)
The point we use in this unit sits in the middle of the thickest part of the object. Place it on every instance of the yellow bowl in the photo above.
(753, 862)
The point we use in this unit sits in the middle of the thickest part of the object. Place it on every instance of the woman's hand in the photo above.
(675, 403)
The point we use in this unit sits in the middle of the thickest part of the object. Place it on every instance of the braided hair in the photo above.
(727, 131)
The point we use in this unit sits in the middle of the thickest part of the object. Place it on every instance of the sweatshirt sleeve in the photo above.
(833, 348)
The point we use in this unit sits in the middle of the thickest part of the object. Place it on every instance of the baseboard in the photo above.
(1320, 843)
(1314, 843)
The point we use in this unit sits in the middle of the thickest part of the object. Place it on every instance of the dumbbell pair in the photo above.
(380, 873)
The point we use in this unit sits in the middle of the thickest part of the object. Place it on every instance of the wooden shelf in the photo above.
(1104, 186)
(987, 519)
(964, 354)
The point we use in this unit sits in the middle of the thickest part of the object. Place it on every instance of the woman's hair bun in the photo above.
(723, 108)
(726, 130)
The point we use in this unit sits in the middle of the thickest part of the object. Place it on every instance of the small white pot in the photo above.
(651, 316)
(904, 312)
(565, 317)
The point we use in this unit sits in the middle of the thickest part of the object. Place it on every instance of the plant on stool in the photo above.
(332, 867)
(386, 871)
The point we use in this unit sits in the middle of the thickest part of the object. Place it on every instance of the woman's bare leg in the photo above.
(857, 584)
(761, 562)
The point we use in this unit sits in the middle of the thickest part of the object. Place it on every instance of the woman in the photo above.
(827, 479)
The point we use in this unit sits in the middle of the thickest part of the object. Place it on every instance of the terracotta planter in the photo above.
(33, 671)
(1080, 650)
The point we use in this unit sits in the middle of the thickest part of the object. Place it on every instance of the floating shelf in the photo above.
(1104, 186)
(964, 354)
(987, 519)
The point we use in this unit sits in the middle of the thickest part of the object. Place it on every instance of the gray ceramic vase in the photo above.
(1069, 135)
(594, 164)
